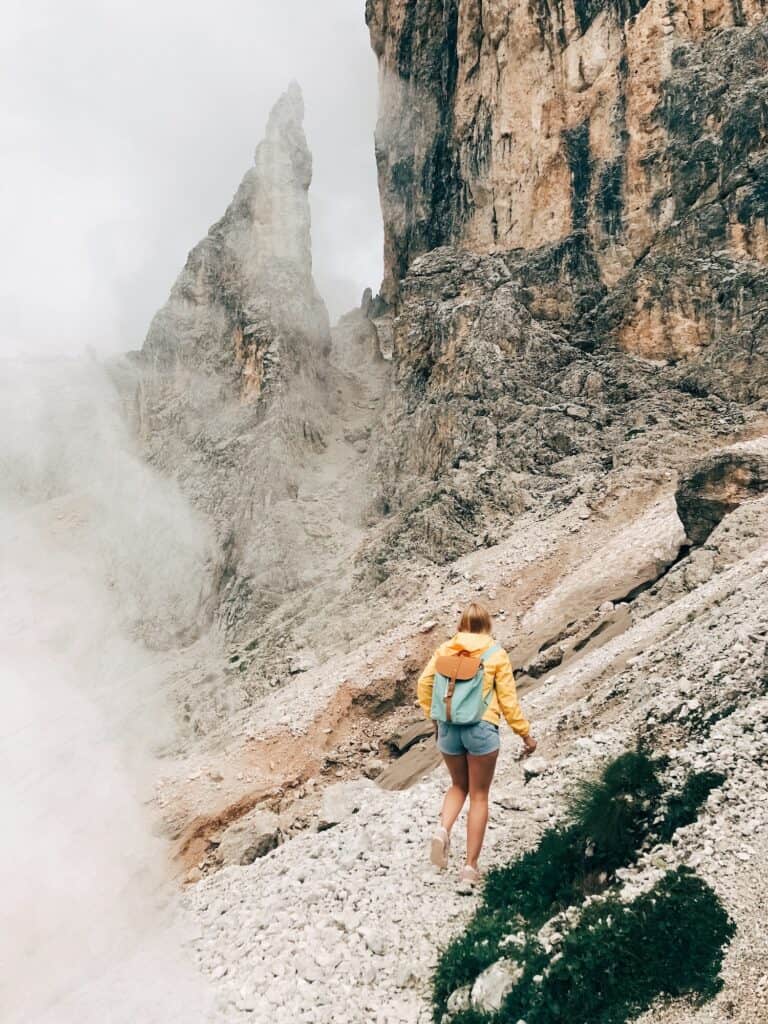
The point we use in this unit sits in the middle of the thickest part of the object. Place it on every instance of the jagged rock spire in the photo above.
(246, 301)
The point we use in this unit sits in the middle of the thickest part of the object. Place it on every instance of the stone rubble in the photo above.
(353, 916)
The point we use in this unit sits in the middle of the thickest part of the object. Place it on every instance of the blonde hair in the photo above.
(475, 619)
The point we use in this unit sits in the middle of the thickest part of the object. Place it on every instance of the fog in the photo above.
(126, 129)
(99, 556)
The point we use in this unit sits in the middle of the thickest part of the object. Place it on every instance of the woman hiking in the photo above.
(465, 688)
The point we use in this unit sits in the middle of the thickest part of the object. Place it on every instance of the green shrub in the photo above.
(610, 817)
(607, 955)
(614, 813)
(525, 892)
(541, 881)
(620, 958)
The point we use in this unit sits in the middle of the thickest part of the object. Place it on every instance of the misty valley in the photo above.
(254, 564)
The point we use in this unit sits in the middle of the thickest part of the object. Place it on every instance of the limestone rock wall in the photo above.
(246, 300)
(497, 406)
(640, 125)
(509, 124)
(232, 385)
(575, 196)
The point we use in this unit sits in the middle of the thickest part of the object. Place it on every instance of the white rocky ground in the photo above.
(345, 924)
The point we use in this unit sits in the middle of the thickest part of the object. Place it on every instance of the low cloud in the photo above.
(99, 556)
(126, 129)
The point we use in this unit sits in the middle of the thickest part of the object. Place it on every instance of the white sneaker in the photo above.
(439, 848)
(469, 879)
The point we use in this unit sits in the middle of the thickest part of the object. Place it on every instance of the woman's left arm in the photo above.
(425, 685)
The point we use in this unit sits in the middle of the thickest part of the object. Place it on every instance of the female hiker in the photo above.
(475, 686)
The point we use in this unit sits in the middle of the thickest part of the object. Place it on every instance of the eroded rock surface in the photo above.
(253, 836)
(243, 397)
(636, 127)
(718, 484)
(497, 407)
(245, 305)
(354, 916)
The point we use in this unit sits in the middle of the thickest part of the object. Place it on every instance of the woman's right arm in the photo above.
(506, 691)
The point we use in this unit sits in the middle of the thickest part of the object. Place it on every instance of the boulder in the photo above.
(412, 766)
(301, 663)
(494, 984)
(299, 816)
(534, 766)
(719, 483)
(545, 661)
(459, 1000)
(511, 801)
(341, 801)
(253, 836)
(402, 740)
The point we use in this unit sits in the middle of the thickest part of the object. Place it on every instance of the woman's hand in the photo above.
(529, 744)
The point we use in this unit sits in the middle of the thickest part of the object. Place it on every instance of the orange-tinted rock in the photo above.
(640, 126)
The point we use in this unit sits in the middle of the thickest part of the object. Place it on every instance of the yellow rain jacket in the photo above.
(498, 677)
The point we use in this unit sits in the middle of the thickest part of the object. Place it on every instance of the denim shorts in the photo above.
(478, 738)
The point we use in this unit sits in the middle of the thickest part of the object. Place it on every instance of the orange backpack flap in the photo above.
(457, 666)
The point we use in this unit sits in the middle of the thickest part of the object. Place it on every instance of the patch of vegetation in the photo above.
(609, 820)
(621, 957)
(614, 813)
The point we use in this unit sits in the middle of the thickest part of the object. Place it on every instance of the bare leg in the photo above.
(457, 794)
(480, 770)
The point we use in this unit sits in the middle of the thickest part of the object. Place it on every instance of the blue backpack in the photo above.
(457, 693)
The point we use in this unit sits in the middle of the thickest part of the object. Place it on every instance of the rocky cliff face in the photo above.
(245, 306)
(496, 409)
(575, 318)
(239, 395)
(574, 199)
(638, 127)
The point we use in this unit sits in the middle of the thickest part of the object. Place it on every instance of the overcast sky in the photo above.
(125, 127)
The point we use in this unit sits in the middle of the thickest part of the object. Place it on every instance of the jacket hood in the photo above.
(475, 643)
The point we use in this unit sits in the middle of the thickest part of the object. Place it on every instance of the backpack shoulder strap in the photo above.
(489, 652)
